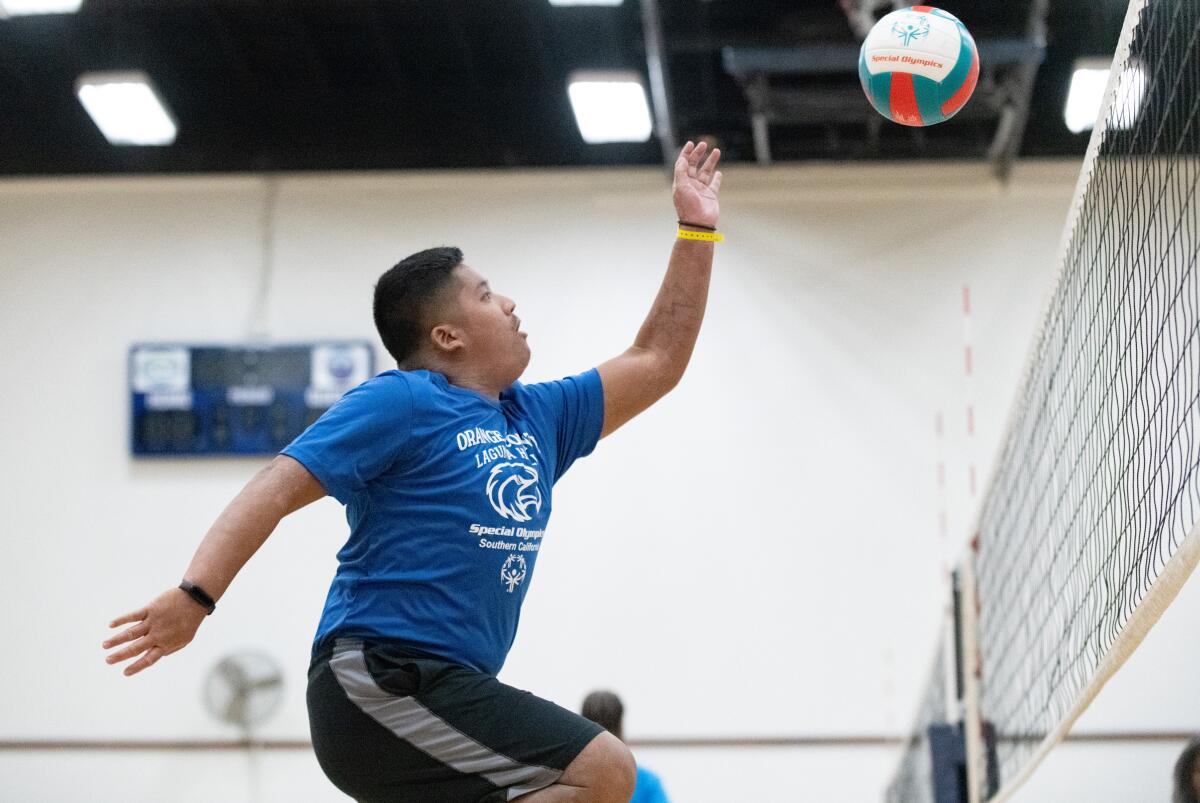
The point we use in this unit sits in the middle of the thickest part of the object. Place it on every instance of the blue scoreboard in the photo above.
(247, 399)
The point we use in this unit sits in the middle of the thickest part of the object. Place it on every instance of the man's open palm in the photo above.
(696, 183)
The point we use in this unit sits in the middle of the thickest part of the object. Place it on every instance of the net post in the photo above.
(960, 748)
(968, 659)
(946, 757)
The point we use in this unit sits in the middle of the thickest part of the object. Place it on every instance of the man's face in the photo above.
(488, 328)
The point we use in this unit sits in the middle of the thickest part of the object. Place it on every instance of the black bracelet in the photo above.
(199, 594)
(696, 225)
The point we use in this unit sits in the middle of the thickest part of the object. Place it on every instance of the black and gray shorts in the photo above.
(391, 725)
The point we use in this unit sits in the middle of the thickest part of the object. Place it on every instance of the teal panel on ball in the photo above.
(957, 76)
(879, 87)
(929, 99)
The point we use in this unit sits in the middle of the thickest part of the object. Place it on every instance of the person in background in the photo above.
(605, 709)
(1187, 773)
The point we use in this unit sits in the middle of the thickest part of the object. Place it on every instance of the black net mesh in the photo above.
(1097, 483)
(914, 777)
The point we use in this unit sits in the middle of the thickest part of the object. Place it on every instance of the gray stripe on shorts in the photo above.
(425, 730)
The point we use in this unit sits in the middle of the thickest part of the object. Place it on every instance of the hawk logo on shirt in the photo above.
(513, 571)
(513, 491)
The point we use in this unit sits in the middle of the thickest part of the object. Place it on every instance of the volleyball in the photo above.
(918, 66)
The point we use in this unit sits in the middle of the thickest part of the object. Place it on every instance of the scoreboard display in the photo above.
(236, 400)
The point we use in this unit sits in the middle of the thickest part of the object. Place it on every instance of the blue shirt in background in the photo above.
(649, 788)
(447, 494)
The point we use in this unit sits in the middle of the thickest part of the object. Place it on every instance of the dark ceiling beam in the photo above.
(297, 29)
(241, 87)
(9, 67)
(231, 52)
(656, 70)
(256, 101)
(477, 94)
(385, 47)
(23, 103)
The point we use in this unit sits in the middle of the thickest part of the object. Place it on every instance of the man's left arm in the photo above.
(655, 362)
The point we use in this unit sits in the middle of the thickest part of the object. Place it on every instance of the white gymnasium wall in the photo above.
(756, 555)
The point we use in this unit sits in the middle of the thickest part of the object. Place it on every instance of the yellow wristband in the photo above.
(706, 236)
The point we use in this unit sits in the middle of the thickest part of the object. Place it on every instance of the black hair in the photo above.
(405, 294)
(1185, 787)
(605, 709)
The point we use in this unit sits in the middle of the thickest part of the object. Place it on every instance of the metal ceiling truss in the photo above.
(1014, 113)
(863, 14)
(1008, 70)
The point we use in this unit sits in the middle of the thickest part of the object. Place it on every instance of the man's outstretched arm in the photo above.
(653, 365)
(170, 621)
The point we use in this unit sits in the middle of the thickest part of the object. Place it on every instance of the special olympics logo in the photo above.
(513, 571)
(513, 490)
(910, 28)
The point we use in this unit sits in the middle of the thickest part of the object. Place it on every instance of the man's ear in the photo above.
(445, 338)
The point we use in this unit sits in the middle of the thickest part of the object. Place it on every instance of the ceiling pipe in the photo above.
(660, 97)
(1006, 145)
(861, 13)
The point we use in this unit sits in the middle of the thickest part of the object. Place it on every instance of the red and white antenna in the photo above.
(969, 393)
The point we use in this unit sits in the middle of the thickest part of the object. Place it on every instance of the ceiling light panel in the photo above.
(17, 8)
(610, 107)
(126, 108)
(1086, 95)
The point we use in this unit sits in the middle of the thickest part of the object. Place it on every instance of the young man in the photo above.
(446, 468)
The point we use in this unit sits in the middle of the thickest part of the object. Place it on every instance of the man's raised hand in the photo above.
(696, 183)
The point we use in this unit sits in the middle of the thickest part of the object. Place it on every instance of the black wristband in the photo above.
(199, 594)
(696, 225)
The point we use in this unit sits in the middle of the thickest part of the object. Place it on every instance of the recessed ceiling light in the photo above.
(126, 108)
(1086, 95)
(586, 2)
(16, 8)
(1131, 92)
(610, 106)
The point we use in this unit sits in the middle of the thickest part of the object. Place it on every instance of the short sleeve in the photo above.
(574, 408)
(359, 438)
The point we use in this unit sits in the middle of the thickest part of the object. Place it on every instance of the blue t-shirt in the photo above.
(649, 788)
(447, 494)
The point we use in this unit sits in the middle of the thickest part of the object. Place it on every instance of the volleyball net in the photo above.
(1088, 528)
